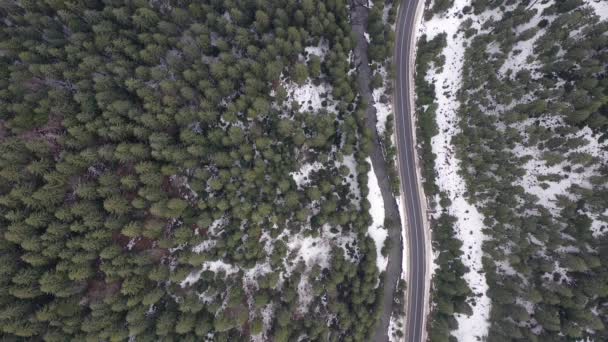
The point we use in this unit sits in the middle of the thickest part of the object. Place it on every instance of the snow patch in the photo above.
(600, 7)
(404, 260)
(311, 250)
(204, 246)
(301, 177)
(319, 50)
(311, 96)
(260, 269)
(376, 231)
(213, 266)
(217, 224)
(395, 328)
(383, 110)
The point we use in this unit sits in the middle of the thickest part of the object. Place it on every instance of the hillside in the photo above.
(521, 108)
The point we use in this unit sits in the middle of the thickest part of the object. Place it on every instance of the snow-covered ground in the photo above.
(469, 223)
(311, 250)
(600, 7)
(518, 61)
(314, 251)
(470, 220)
(376, 231)
(310, 96)
(301, 177)
(404, 265)
(395, 326)
(319, 50)
(213, 266)
(548, 190)
(383, 110)
(313, 95)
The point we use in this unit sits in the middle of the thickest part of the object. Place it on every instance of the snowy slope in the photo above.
(469, 223)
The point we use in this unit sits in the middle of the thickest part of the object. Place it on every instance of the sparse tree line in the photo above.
(140, 142)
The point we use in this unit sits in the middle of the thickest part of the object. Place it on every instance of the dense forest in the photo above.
(147, 159)
(533, 125)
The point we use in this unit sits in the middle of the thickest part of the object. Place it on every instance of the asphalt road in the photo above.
(404, 55)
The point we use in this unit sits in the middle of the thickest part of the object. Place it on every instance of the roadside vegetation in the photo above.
(176, 170)
(428, 57)
(449, 291)
(380, 26)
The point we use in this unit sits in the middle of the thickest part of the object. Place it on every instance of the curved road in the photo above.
(411, 191)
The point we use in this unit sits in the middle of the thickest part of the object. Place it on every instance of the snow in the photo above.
(505, 267)
(311, 250)
(548, 191)
(181, 182)
(469, 223)
(517, 62)
(404, 263)
(346, 241)
(366, 35)
(267, 314)
(376, 231)
(258, 270)
(213, 266)
(204, 246)
(563, 272)
(395, 325)
(215, 226)
(310, 96)
(319, 50)
(600, 7)
(387, 8)
(131, 243)
(301, 177)
(383, 110)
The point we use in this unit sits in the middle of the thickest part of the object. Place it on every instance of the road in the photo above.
(411, 190)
